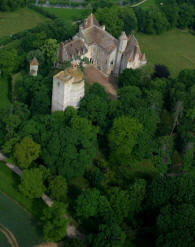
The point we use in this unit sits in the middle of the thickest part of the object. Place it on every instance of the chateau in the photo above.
(107, 53)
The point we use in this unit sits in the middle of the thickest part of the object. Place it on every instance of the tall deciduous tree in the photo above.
(87, 203)
(176, 226)
(58, 188)
(50, 50)
(54, 222)
(122, 138)
(26, 151)
(32, 183)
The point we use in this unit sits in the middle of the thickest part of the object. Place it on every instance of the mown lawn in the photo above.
(69, 14)
(19, 222)
(19, 20)
(3, 93)
(9, 182)
(174, 48)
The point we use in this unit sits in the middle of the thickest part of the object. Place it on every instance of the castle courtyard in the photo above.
(92, 75)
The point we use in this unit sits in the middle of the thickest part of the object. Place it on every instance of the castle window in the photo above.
(111, 62)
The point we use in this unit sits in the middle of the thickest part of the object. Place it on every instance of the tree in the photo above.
(57, 188)
(49, 49)
(87, 203)
(94, 105)
(160, 71)
(174, 190)
(130, 77)
(8, 61)
(122, 138)
(130, 100)
(54, 222)
(129, 19)
(26, 152)
(110, 235)
(171, 11)
(186, 15)
(32, 183)
(136, 193)
(155, 21)
(176, 226)
(109, 17)
(68, 151)
(119, 201)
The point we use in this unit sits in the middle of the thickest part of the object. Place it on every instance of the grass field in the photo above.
(9, 185)
(19, 223)
(174, 49)
(3, 93)
(19, 20)
(69, 14)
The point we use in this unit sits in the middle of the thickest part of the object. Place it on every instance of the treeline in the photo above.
(10, 5)
(155, 20)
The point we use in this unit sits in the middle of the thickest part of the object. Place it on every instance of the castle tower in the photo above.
(34, 64)
(68, 88)
(121, 48)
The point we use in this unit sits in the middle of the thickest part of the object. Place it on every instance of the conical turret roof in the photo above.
(34, 61)
(123, 36)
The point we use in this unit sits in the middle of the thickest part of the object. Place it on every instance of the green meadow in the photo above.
(19, 20)
(174, 48)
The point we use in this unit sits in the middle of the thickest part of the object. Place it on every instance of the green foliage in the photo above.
(94, 105)
(130, 77)
(120, 203)
(26, 152)
(122, 138)
(186, 12)
(176, 226)
(68, 151)
(109, 235)
(87, 203)
(8, 61)
(35, 92)
(54, 222)
(57, 188)
(165, 190)
(49, 50)
(7, 5)
(136, 193)
(32, 183)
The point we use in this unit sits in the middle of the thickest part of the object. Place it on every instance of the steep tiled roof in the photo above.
(132, 48)
(34, 61)
(75, 48)
(90, 21)
(95, 35)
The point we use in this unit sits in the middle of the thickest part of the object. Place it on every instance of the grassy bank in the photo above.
(9, 182)
(19, 223)
(19, 20)
(174, 49)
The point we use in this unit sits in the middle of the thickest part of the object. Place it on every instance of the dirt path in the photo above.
(93, 75)
(137, 4)
(10, 237)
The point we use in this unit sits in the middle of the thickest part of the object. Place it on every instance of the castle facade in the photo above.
(107, 53)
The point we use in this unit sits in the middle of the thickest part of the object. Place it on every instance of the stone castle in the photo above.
(107, 53)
